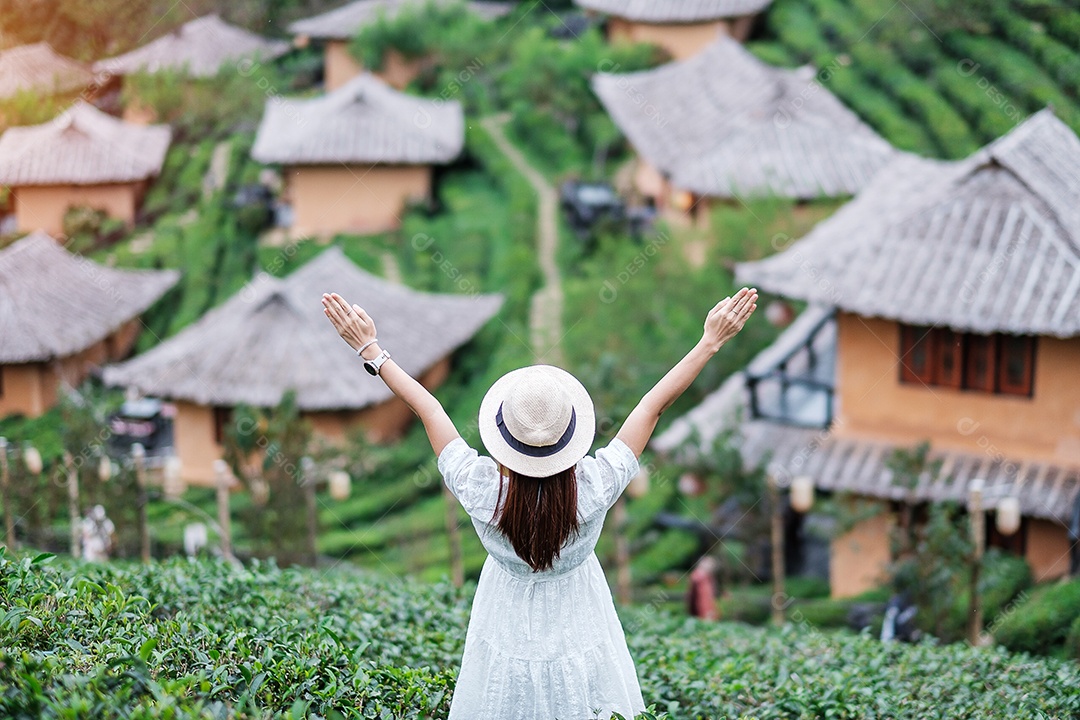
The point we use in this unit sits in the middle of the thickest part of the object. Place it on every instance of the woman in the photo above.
(544, 640)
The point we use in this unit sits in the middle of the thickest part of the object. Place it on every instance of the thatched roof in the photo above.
(272, 336)
(986, 244)
(54, 304)
(363, 121)
(847, 464)
(199, 48)
(346, 21)
(37, 68)
(723, 123)
(1045, 490)
(675, 11)
(82, 146)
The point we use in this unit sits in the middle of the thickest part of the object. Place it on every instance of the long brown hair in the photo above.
(538, 515)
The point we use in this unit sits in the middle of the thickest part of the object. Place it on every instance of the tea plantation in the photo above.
(206, 639)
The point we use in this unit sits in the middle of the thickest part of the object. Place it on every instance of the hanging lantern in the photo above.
(779, 313)
(639, 485)
(260, 491)
(1008, 515)
(174, 485)
(802, 494)
(104, 468)
(340, 485)
(33, 461)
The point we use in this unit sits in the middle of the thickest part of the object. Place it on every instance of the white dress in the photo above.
(543, 645)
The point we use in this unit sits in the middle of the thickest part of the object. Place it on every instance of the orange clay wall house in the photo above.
(272, 337)
(944, 308)
(681, 27)
(722, 125)
(62, 315)
(83, 157)
(353, 159)
(198, 50)
(336, 29)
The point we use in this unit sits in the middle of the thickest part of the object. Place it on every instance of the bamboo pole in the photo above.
(73, 502)
(312, 520)
(457, 566)
(978, 539)
(777, 533)
(5, 488)
(138, 455)
(221, 475)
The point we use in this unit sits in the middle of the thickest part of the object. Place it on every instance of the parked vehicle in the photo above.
(255, 207)
(147, 421)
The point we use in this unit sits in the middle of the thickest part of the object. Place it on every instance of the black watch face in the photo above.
(370, 367)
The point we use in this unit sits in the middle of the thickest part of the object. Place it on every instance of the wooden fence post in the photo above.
(5, 488)
(73, 503)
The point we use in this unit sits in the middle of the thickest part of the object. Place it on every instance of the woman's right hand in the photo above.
(728, 316)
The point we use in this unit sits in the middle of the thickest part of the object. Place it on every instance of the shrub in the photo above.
(1042, 623)
(1072, 643)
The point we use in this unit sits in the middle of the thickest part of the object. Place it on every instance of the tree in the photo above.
(266, 450)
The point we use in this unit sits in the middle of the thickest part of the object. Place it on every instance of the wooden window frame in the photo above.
(1026, 387)
(222, 414)
(964, 351)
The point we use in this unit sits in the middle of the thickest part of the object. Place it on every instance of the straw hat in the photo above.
(537, 420)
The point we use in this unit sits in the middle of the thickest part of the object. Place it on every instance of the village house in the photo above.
(944, 307)
(38, 71)
(681, 27)
(335, 30)
(198, 49)
(61, 316)
(353, 159)
(724, 125)
(81, 158)
(272, 337)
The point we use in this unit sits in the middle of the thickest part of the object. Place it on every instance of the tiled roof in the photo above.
(272, 336)
(365, 120)
(724, 124)
(37, 68)
(345, 22)
(675, 11)
(54, 304)
(200, 48)
(986, 244)
(82, 146)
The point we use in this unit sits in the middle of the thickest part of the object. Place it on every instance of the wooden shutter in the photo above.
(916, 354)
(980, 363)
(1016, 364)
(948, 363)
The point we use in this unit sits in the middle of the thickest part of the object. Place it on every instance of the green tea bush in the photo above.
(186, 639)
(1042, 623)
(1072, 642)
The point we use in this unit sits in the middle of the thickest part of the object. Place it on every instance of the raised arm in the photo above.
(724, 321)
(357, 328)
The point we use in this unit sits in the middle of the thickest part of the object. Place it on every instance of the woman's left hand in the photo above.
(353, 324)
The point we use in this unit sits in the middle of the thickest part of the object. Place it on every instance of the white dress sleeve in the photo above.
(472, 478)
(604, 478)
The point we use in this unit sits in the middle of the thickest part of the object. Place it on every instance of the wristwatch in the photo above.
(375, 364)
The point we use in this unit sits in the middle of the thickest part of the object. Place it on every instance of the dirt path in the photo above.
(546, 307)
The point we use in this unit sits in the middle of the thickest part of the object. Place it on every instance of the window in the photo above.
(1000, 364)
(222, 415)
